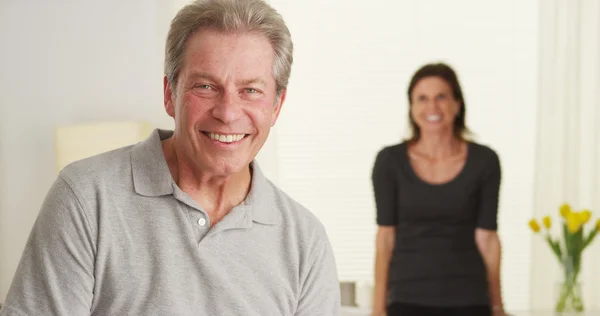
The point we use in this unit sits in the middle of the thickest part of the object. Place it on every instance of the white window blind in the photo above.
(347, 99)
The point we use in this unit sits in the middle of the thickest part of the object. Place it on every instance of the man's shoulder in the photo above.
(296, 216)
(106, 167)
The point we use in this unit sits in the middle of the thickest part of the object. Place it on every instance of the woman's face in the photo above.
(433, 106)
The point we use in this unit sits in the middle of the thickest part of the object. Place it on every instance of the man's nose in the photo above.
(228, 107)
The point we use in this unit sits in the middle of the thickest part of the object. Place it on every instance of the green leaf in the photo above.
(577, 248)
(558, 249)
(567, 239)
(555, 246)
(590, 237)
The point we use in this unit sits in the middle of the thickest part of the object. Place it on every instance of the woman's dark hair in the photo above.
(443, 71)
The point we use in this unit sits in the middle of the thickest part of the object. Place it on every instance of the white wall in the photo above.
(71, 61)
(62, 62)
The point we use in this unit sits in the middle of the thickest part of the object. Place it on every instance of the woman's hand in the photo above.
(384, 246)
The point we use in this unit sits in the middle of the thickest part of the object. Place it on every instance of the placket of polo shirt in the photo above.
(200, 223)
(198, 218)
(239, 217)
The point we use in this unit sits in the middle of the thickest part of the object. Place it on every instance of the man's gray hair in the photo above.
(229, 16)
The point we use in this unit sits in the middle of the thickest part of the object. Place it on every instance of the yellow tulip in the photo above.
(598, 224)
(565, 209)
(533, 224)
(547, 221)
(573, 222)
(585, 216)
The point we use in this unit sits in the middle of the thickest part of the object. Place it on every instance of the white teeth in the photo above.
(226, 138)
(433, 118)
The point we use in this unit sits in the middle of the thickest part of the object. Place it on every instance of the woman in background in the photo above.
(438, 252)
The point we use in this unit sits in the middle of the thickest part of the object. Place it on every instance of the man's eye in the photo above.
(251, 90)
(202, 86)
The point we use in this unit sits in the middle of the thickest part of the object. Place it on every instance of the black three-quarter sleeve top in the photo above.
(435, 261)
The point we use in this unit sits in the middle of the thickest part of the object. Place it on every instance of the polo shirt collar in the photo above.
(151, 177)
(262, 198)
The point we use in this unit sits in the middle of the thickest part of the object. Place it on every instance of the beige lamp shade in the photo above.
(75, 142)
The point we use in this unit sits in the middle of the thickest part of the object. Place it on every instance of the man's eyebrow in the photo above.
(202, 75)
(253, 81)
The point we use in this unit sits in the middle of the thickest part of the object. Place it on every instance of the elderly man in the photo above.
(185, 223)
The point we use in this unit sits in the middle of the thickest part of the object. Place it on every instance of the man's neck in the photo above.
(216, 194)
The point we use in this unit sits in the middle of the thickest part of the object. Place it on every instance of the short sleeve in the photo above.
(56, 273)
(385, 188)
(489, 194)
(320, 294)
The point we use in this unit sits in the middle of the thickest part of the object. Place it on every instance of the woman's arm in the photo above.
(489, 246)
(384, 244)
(385, 189)
(486, 236)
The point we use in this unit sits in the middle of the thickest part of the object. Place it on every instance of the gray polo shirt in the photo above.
(116, 236)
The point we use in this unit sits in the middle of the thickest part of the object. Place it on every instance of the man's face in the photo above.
(225, 102)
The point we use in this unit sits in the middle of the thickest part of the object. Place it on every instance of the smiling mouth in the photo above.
(433, 118)
(225, 138)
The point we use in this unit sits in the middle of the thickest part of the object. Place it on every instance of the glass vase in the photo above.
(569, 300)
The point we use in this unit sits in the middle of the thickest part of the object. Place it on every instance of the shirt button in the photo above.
(202, 222)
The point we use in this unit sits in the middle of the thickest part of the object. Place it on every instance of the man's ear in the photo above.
(278, 104)
(169, 98)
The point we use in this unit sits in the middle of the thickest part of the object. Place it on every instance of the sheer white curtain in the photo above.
(568, 149)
